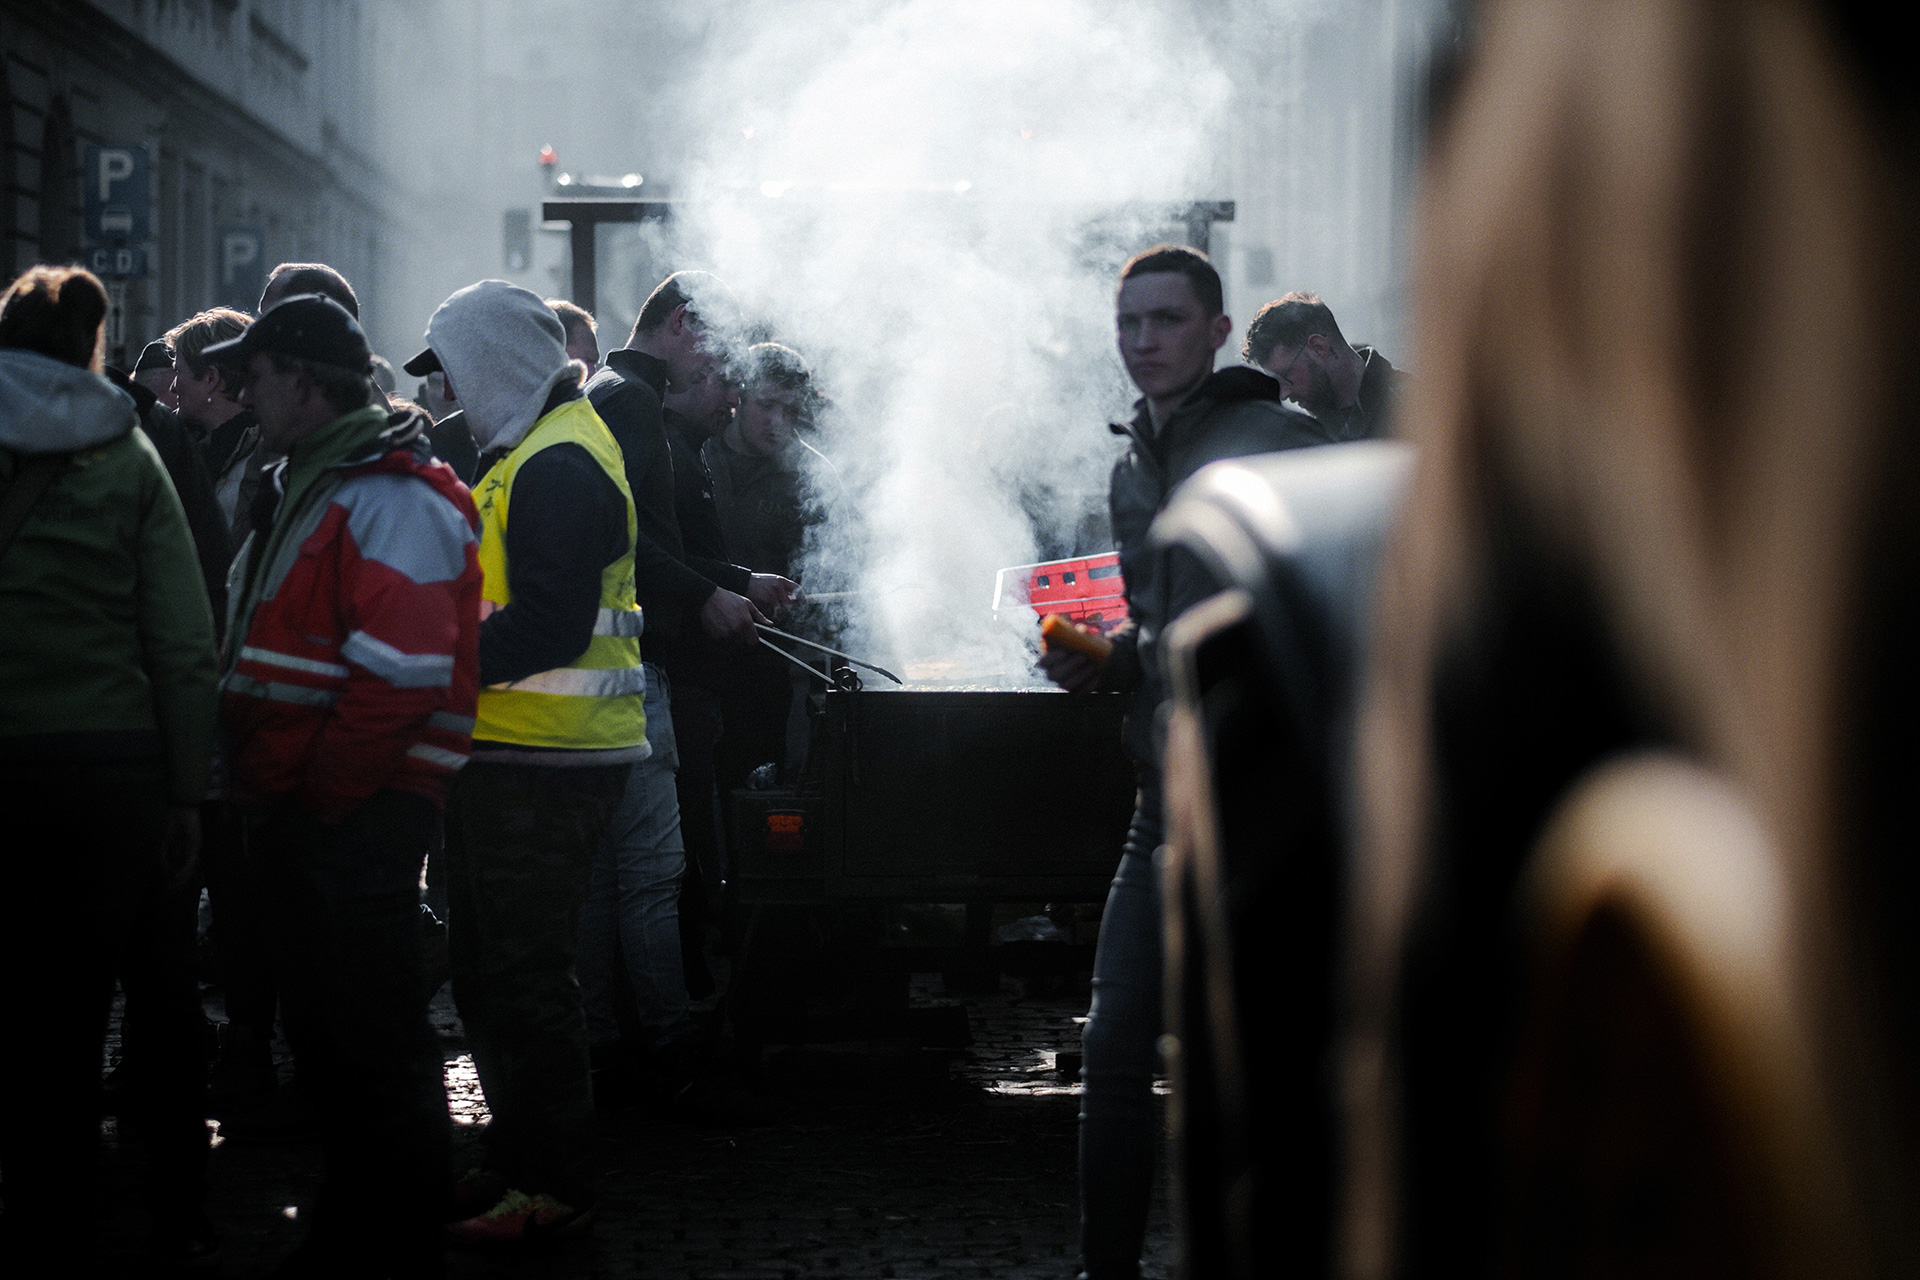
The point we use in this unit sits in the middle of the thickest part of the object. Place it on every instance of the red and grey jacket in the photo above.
(352, 659)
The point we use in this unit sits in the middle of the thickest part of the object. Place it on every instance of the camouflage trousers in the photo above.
(520, 845)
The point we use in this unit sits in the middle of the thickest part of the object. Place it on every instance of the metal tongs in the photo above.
(766, 631)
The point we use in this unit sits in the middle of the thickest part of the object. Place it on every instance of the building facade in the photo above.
(254, 124)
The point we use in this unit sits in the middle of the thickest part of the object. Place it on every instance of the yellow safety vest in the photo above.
(597, 702)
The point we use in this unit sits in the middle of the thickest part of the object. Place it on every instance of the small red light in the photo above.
(786, 832)
(548, 158)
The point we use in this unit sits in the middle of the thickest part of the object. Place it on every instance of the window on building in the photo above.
(59, 186)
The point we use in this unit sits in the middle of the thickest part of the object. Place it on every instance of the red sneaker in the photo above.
(521, 1219)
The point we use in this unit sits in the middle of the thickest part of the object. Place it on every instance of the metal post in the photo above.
(582, 239)
(117, 321)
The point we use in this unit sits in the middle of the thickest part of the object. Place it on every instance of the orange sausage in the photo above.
(1058, 633)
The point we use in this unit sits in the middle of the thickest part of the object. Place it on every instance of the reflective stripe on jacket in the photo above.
(596, 702)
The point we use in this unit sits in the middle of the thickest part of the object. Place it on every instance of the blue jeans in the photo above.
(1121, 1053)
(633, 897)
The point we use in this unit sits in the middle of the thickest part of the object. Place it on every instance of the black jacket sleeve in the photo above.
(212, 540)
(664, 581)
(567, 522)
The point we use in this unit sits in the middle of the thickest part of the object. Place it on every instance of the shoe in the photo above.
(286, 1116)
(436, 964)
(475, 1192)
(522, 1220)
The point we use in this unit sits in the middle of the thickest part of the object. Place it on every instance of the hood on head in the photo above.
(504, 350)
(49, 406)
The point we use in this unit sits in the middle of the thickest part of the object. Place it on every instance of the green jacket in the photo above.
(106, 640)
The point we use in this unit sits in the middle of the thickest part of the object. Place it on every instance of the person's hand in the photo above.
(1074, 672)
(771, 592)
(726, 616)
(180, 854)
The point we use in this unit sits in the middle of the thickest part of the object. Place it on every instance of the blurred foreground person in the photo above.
(1635, 974)
(561, 722)
(1170, 326)
(348, 699)
(1351, 389)
(107, 672)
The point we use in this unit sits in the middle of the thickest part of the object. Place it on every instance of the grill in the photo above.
(944, 795)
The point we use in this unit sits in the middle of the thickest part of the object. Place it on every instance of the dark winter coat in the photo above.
(1236, 412)
(671, 581)
(107, 652)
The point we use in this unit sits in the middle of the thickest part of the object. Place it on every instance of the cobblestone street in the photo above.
(887, 1159)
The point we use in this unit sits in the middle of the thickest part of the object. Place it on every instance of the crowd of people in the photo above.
(280, 633)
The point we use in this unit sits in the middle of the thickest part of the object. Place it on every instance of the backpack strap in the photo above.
(33, 478)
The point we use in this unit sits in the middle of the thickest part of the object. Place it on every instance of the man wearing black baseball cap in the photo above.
(154, 371)
(348, 695)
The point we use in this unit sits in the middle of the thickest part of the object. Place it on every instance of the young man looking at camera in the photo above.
(1171, 324)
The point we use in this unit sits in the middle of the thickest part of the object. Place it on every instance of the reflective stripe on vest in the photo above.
(596, 702)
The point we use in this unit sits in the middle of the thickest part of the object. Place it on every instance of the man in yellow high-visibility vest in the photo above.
(559, 726)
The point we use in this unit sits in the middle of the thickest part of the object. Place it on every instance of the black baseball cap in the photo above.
(155, 355)
(423, 364)
(308, 327)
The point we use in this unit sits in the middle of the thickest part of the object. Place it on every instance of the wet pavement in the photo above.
(886, 1159)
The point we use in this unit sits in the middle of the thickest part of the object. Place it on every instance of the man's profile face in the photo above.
(195, 394)
(769, 415)
(276, 400)
(1303, 376)
(1167, 336)
(583, 345)
(708, 400)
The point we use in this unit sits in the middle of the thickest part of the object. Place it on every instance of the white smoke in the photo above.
(905, 190)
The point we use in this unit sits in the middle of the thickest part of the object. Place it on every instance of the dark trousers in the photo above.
(243, 928)
(346, 906)
(164, 1044)
(1120, 1044)
(697, 727)
(84, 902)
(520, 846)
(756, 709)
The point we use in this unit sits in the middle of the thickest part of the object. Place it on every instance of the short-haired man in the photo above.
(348, 694)
(583, 333)
(769, 483)
(1351, 389)
(206, 394)
(1171, 326)
(561, 723)
(291, 279)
